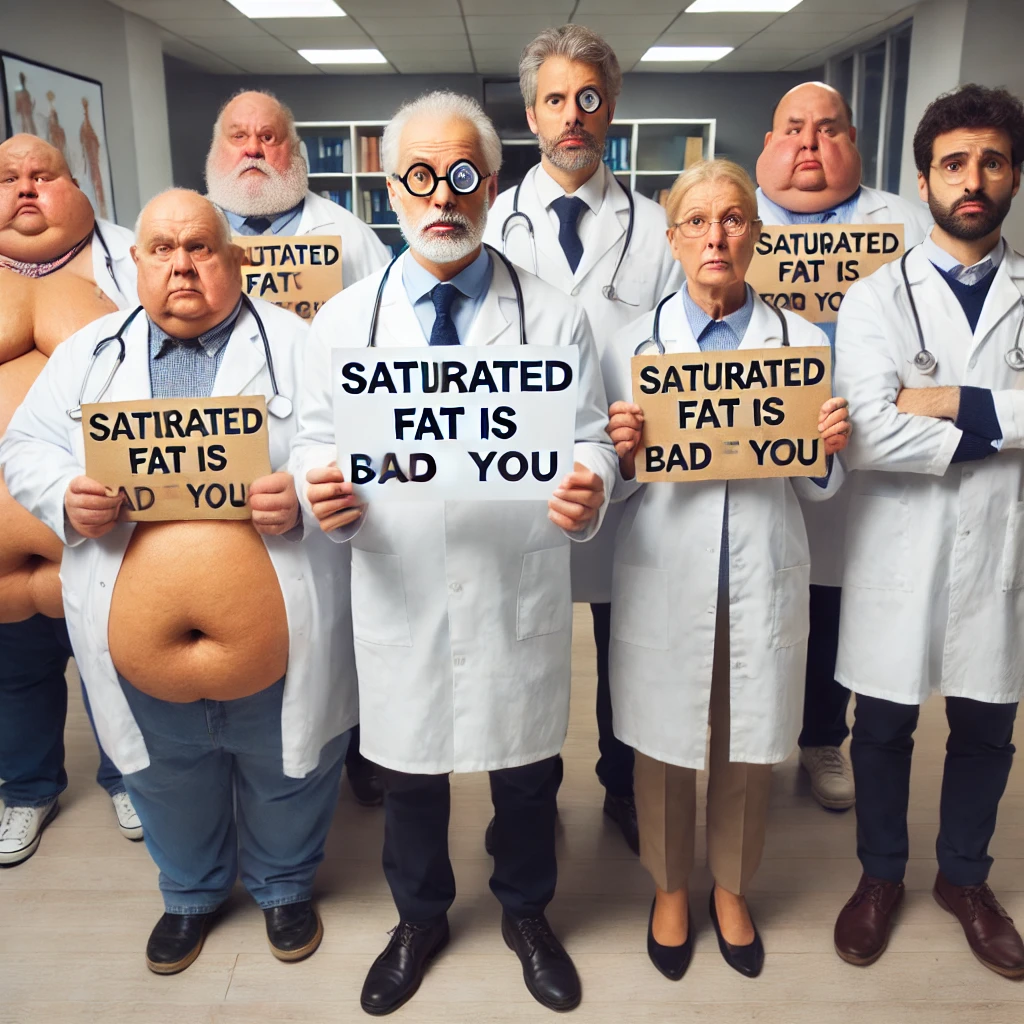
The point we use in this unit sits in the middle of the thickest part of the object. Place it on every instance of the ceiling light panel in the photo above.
(367, 56)
(288, 8)
(738, 6)
(687, 54)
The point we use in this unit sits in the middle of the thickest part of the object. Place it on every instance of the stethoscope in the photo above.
(522, 218)
(107, 258)
(279, 405)
(655, 338)
(372, 340)
(925, 361)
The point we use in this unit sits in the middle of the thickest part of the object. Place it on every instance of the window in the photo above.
(874, 79)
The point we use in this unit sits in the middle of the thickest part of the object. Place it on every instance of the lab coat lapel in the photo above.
(552, 266)
(492, 319)
(608, 229)
(869, 204)
(675, 331)
(764, 329)
(312, 219)
(131, 382)
(397, 325)
(947, 334)
(1003, 297)
(244, 358)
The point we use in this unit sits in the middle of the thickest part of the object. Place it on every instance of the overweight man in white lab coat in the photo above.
(810, 173)
(217, 654)
(568, 223)
(256, 174)
(462, 610)
(933, 588)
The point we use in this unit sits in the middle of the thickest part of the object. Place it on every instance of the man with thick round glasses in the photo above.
(462, 612)
(573, 224)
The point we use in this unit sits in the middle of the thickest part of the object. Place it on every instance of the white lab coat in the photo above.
(115, 279)
(43, 450)
(648, 274)
(665, 588)
(933, 589)
(362, 251)
(461, 610)
(826, 523)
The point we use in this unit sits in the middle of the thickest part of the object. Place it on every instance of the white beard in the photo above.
(257, 195)
(443, 249)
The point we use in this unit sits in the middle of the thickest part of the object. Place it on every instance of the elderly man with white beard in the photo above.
(256, 174)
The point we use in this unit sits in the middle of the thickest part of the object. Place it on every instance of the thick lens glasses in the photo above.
(588, 100)
(697, 227)
(956, 172)
(422, 180)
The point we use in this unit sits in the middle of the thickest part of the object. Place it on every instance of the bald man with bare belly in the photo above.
(60, 269)
(217, 654)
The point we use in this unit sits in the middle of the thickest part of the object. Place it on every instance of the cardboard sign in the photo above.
(808, 268)
(179, 458)
(455, 423)
(731, 415)
(299, 273)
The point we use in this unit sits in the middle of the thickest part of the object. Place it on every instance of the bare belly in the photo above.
(197, 612)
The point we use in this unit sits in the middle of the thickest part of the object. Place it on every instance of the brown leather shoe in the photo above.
(863, 926)
(989, 929)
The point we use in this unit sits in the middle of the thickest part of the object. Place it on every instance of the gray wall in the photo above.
(742, 103)
(100, 41)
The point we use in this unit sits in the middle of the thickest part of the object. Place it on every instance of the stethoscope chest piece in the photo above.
(280, 406)
(1015, 358)
(608, 291)
(925, 362)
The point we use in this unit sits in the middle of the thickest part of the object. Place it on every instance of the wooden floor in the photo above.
(74, 919)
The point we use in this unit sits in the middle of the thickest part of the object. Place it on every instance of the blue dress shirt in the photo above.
(282, 224)
(473, 283)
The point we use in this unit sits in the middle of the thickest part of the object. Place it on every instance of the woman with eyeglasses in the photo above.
(709, 593)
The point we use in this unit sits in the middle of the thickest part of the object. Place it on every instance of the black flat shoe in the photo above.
(672, 961)
(622, 810)
(749, 959)
(294, 930)
(364, 782)
(489, 838)
(548, 970)
(396, 974)
(176, 941)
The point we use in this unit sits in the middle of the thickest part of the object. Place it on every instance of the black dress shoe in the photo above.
(548, 971)
(364, 782)
(489, 838)
(749, 959)
(622, 810)
(176, 941)
(294, 930)
(672, 961)
(396, 974)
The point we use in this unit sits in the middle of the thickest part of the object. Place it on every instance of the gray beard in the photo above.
(588, 155)
(265, 195)
(442, 250)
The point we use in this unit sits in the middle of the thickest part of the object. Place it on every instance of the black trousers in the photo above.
(615, 763)
(416, 861)
(825, 700)
(979, 753)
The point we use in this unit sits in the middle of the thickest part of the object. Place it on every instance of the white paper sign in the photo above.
(454, 423)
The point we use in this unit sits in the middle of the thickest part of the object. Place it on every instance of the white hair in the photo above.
(226, 235)
(286, 112)
(442, 104)
(576, 43)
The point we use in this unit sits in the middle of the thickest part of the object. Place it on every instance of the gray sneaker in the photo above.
(831, 776)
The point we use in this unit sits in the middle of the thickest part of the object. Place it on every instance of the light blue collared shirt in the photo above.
(941, 259)
(841, 213)
(728, 334)
(473, 283)
(282, 224)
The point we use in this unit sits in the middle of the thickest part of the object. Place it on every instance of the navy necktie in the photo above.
(443, 332)
(568, 210)
(258, 224)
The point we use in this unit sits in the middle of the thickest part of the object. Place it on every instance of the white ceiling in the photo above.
(465, 36)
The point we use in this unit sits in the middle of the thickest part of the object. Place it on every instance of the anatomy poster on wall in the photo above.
(67, 111)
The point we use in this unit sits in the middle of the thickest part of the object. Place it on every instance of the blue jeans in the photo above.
(33, 710)
(215, 803)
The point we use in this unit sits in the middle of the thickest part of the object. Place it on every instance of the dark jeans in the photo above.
(979, 753)
(33, 710)
(615, 765)
(825, 700)
(416, 862)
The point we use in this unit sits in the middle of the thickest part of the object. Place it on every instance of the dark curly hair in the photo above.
(970, 106)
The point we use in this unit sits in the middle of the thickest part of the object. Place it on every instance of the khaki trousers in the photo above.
(737, 809)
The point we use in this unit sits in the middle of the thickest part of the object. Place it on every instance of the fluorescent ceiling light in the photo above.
(344, 56)
(697, 54)
(288, 8)
(739, 6)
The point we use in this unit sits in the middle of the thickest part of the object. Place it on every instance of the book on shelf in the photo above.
(343, 197)
(369, 154)
(616, 153)
(329, 154)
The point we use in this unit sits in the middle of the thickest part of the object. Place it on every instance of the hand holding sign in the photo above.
(91, 509)
(625, 428)
(274, 504)
(333, 501)
(834, 425)
(577, 500)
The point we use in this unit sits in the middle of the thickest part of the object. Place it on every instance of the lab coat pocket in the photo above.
(379, 612)
(545, 601)
(791, 606)
(640, 614)
(878, 544)
(1013, 549)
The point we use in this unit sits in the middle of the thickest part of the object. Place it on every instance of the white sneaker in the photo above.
(20, 831)
(127, 819)
(831, 776)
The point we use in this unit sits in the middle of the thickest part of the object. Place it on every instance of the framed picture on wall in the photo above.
(67, 111)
